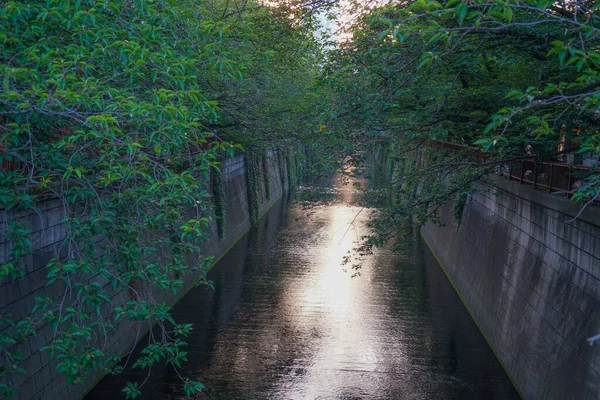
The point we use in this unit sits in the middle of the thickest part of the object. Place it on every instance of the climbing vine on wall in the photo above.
(219, 203)
(266, 176)
(459, 206)
(294, 168)
(280, 162)
(254, 171)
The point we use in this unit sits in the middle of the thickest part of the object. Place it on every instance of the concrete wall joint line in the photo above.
(42, 367)
(532, 293)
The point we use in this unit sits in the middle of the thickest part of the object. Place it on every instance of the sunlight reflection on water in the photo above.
(288, 321)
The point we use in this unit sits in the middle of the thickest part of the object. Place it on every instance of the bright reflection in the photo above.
(333, 309)
(286, 322)
(333, 286)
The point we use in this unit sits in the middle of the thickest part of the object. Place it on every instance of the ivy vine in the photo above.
(266, 176)
(219, 203)
(254, 172)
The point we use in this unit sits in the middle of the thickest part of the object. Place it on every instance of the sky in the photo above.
(345, 14)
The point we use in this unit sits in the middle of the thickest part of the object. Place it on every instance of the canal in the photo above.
(288, 321)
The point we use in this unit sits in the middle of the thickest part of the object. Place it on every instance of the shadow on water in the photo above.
(287, 321)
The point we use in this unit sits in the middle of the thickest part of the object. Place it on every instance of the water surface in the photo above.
(288, 321)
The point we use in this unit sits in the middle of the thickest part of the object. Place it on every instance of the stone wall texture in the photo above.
(17, 297)
(530, 276)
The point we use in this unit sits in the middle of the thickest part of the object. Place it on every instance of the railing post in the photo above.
(522, 172)
(550, 179)
(569, 185)
(534, 173)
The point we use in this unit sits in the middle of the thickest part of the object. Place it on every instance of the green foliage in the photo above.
(266, 178)
(459, 206)
(132, 390)
(13, 333)
(499, 76)
(254, 181)
(219, 200)
(191, 387)
(294, 167)
(121, 109)
(18, 235)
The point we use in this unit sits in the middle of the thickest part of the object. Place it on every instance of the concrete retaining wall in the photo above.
(531, 280)
(17, 297)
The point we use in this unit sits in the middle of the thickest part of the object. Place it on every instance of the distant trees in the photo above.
(500, 75)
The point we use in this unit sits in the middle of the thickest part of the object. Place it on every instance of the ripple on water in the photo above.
(288, 321)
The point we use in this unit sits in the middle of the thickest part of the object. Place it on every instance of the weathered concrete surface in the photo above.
(531, 281)
(17, 297)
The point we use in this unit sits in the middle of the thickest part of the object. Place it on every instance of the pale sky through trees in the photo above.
(335, 17)
(337, 22)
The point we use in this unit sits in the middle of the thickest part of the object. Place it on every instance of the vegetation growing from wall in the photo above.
(219, 202)
(294, 166)
(254, 173)
(458, 207)
(281, 164)
(266, 178)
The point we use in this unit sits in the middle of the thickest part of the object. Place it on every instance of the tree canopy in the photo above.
(122, 109)
(499, 75)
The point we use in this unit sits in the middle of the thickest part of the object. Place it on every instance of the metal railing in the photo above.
(11, 165)
(552, 176)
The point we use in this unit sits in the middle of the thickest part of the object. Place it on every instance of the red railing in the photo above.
(11, 165)
(553, 176)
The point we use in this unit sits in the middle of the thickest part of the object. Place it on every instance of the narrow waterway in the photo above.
(288, 321)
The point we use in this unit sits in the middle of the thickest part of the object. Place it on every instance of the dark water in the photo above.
(288, 321)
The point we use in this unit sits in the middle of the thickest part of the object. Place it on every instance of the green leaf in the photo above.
(461, 11)
(131, 390)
